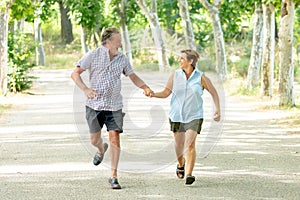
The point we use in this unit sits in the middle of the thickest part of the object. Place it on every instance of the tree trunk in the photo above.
(19, 25)
(124, 32)
(40, 54)
(66, 24)
(170, 26)
(186, 24)
(267, 70)
(286, 67)
(221, 63)
(84, 46)
(156, 33)
(4, 17)
(256, 53)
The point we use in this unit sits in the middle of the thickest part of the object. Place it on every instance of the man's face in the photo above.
(114, 44)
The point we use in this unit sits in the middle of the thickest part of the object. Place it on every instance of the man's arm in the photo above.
(140, 83)
(76, 76)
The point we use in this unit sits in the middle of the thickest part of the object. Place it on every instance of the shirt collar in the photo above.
(107, 51)
(194, 71)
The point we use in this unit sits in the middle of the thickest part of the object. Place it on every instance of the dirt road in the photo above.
(45, 153)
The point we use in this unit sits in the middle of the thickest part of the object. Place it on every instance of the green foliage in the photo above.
(172, 60)
(202, 27)
(232, 14)
(23, 9)
(88, 13)
(246, 92)
(28, 10)
(168, 13)
(205, 65)
(20, 50)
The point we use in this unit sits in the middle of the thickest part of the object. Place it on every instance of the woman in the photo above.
(186, 112)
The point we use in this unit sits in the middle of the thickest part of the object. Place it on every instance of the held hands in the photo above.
(148, 92)
(90, 93)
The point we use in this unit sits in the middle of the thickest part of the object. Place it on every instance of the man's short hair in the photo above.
(107, 34)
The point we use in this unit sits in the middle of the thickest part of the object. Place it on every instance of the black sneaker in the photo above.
(99, 157)
(189, 180)
(114, 184)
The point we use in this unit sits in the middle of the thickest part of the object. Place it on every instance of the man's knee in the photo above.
(114, 138)
(95, 139)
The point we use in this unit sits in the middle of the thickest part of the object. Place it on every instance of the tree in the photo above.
(40, 53)
(256, 53)
(66, 24)
(221, 63)
(186, 24)
(169, 15)
(268, 60)
(4, 18)
(89, 15)
(121, 10)
(157, 33)
(286, 67)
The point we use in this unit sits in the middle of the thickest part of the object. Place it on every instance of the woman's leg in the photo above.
(179, 147)
(190, 145)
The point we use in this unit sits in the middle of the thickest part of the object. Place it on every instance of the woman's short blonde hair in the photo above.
(191, 55)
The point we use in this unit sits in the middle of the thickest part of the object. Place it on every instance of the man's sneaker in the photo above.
(114, 184)
(99, 157)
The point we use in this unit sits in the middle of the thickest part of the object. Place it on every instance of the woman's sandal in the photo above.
(180, 171)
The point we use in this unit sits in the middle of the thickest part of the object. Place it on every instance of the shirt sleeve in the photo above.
(127, 70)
(85, 61)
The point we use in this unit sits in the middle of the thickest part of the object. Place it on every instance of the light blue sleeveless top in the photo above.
(186, 101)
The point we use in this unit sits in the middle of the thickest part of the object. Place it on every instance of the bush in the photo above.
(20, 51)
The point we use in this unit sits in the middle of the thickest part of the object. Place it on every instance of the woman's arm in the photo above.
(166, 91)
(207, 84)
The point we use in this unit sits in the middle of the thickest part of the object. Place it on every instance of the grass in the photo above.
(59, 56)
(236, 87)
(61, 61)
(4, 107)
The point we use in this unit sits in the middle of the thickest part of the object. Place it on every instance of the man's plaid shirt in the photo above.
(105, 77)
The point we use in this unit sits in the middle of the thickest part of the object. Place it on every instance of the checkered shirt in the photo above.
(105, 77)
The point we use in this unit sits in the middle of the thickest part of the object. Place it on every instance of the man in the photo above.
(104, 100)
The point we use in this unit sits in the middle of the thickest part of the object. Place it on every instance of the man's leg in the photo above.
(114, 139)
(97, 141)
(190, 145)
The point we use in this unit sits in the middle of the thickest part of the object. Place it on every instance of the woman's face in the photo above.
(183, 62)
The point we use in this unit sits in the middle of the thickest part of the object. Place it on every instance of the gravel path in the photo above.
(45, 152)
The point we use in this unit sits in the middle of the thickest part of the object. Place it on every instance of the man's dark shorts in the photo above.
(113, 120)
(194, 125)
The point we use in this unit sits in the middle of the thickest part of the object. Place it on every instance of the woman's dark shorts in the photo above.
(113, 120)
(194, 125)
